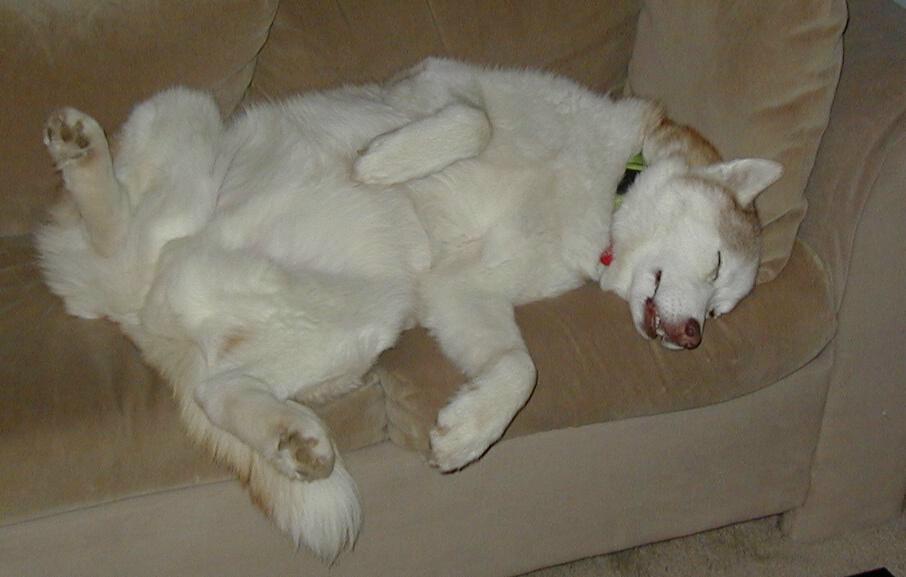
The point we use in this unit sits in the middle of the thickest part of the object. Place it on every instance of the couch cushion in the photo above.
(104, 57)
(593, 366)
(83, 420)
(317, 44)
(756, 78)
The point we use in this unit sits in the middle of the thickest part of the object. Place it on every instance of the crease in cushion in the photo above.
(320, 44)
(594, 367)
(757, 79)
(84, 421)
(103, 58)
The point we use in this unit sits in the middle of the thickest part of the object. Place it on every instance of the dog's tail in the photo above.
(324, 515)
(425, 146)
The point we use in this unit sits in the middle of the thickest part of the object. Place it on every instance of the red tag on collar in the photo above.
(607, 256)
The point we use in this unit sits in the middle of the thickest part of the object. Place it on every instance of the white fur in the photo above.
(264, 264)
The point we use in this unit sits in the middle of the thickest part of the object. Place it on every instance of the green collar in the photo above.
(635, 165)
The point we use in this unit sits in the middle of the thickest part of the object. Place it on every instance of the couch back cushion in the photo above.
(104, 57)
(316, 44)
(757, 79)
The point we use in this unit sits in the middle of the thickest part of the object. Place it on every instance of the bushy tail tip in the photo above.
(324, 515)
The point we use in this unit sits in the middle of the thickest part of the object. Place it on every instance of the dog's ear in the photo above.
(746, 177)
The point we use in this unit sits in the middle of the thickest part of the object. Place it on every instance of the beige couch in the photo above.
(794, 404)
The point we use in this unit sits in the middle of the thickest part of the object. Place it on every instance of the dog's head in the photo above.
(686, 244)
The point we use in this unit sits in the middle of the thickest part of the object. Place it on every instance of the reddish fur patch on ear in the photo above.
(740, 228)
(671, 139)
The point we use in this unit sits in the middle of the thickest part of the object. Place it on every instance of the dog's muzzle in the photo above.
(684, 334)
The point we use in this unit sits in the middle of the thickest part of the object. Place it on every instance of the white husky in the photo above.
(263, 265)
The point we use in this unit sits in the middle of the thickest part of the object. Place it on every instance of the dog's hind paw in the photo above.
(303, 450)
(71, 136)
(304, 457)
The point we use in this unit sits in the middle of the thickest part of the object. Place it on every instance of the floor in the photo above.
(753, 549)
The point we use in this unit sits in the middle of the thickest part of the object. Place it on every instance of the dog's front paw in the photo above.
(71, 135)
(452, 448)
(464, 431)
(375, 166)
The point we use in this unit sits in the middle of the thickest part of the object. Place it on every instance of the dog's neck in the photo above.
(635, 165)
(664, 139)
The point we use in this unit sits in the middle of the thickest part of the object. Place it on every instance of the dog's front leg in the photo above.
(423, 147)
(477, 331)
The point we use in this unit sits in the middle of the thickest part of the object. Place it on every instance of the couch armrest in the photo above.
(857, 198)
(860, 143)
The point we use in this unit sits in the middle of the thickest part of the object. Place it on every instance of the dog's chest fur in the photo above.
(536, 203)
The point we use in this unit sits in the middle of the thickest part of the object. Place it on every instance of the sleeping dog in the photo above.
(263, 264)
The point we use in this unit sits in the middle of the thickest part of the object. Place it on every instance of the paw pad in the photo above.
(68, 135)
(307, 460)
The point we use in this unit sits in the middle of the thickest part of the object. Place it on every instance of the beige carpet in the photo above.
(753, 549)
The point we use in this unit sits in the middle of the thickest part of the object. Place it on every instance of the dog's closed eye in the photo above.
(716, 272)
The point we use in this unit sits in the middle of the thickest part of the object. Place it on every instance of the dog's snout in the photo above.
(684, 334)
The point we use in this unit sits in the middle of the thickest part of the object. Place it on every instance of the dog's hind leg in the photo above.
(287, 434)
(281, 451)
(476, 329)
(79, 148)
(239, 317)
(425, 146)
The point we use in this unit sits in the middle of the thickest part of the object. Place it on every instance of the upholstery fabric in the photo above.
(757, 79)
(320, 44)
(533, 501)
(855, 222)
(83, 420)
(77, 397)
(629, 443)
(866, 127)
(103, 58)
(594, 367)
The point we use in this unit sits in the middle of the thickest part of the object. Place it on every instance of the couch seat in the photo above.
(83, 421)
(594, 367)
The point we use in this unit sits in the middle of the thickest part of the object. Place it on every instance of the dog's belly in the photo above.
(465, 202)
(288, 196)
(334, 229)
(505, 216)
(340, 234)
